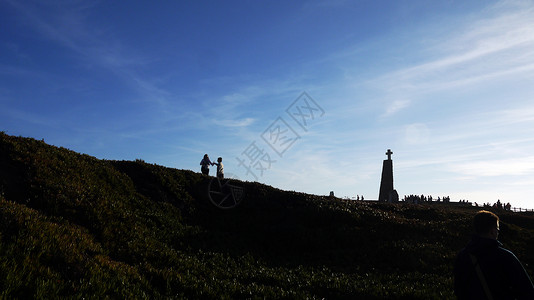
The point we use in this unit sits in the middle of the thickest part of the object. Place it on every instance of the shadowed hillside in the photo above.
(71, 224)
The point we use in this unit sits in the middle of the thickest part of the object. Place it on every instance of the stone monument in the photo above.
(387, 193)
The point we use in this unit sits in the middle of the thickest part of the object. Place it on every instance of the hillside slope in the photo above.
(71, 224)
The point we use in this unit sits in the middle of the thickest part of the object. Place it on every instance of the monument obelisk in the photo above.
(386, 183)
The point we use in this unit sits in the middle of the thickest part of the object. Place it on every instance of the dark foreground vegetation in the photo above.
(73, 225)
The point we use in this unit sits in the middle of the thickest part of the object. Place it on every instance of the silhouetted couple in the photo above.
(205, 164)
(485, 270)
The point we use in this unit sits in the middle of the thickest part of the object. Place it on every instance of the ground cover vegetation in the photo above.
(73, 225)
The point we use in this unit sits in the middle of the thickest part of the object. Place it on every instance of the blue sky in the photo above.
(300, 95)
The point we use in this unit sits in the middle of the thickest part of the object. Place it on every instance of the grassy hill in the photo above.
(71, 224)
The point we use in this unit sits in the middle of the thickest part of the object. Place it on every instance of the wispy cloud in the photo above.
(504, 167)
(496, 45)
(396, 106)
(439, 141)
(235, 123)
(69, 26)
(62, 24)
(516, 115)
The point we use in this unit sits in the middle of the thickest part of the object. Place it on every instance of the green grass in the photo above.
(73, 225)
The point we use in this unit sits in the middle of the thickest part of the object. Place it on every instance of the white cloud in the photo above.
(235, 123)
(505, 167)
(496, 46)
(396, 106)
(517, 115)
(416, 133)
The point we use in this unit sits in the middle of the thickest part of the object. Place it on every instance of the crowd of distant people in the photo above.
(498, 205)
(416, 199)
(419, 199)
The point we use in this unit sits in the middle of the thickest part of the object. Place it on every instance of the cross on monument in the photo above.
(389, 154)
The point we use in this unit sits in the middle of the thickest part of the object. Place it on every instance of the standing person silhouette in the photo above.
(485, 270)
(220, 168)
(205, 165)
